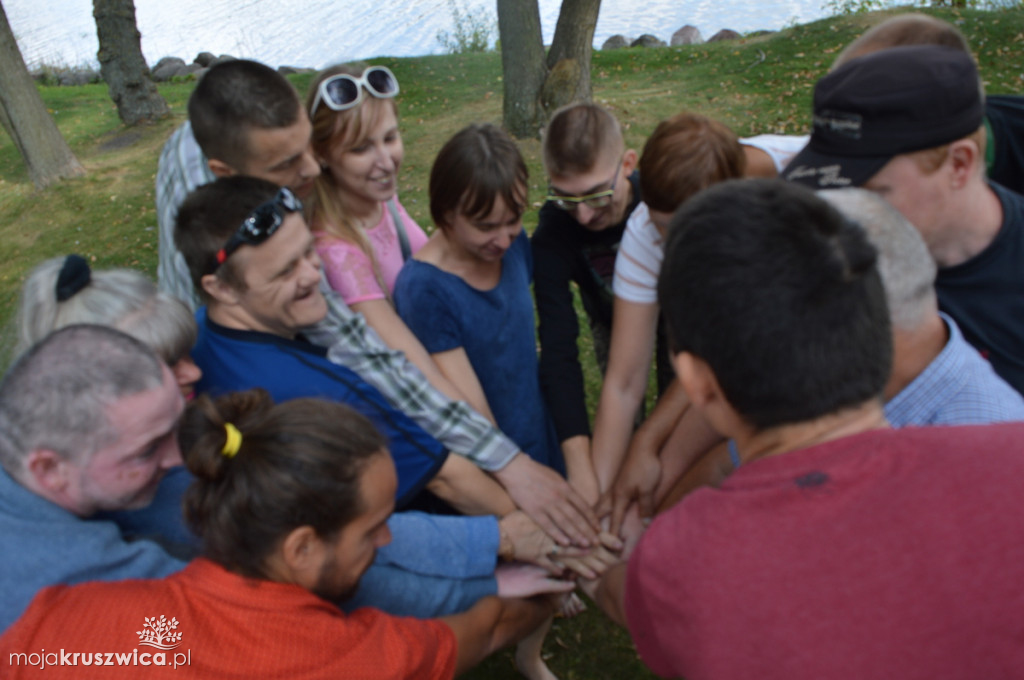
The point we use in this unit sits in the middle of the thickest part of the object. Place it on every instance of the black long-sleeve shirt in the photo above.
(565, 252)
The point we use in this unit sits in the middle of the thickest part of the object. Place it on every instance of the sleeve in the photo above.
(392, 648)
(352, 343)
(561, 376)
(348, 269)
(780, 148)
(639, 261)
(181, 169)
(404, 592)
(452, 546)
(429, 315)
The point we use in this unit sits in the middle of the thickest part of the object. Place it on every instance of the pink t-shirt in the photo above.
(887, 554)
(350, 271)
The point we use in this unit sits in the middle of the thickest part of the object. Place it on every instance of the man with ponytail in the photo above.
(291, 502)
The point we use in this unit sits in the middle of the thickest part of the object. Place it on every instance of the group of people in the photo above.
(383, 478)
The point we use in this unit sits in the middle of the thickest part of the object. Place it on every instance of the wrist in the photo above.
(506, 548)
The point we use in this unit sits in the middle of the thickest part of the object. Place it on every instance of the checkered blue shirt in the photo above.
(958, 388)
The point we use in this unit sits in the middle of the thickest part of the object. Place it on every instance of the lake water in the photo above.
(317, 33)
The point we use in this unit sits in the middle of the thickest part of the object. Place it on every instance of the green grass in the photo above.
(109, 215)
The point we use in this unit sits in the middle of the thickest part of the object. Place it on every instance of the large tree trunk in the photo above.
(570, 53)
(534, 85)
(26, 120)
(122, 64)
(522, 66)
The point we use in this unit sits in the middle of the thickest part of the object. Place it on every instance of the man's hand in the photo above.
(636, 482)
(549, 500)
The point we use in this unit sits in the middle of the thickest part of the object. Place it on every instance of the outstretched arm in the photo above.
(629, 363)
(659, 456)
(495, 623)
(381, 317)
(538, 490)
(468, 489)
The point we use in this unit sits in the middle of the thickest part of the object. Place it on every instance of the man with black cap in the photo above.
(907, 123)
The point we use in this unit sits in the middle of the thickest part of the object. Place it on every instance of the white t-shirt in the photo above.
(639, 260)
(781, 148)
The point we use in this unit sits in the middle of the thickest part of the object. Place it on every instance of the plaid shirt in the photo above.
(957, 388)
(349, 340)
(181, 170)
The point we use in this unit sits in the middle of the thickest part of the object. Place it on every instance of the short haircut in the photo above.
(907, 268)
(206, 220)
(121, 298)
(903, 30)
(299, 464)
(234, 97)
(579, 136)
(778, 293)
(686, 154)
(56, 394)
(479, 164)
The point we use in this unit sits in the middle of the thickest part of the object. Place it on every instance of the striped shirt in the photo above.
(639, 260)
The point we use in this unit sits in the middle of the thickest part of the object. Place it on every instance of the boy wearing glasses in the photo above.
(594, 188)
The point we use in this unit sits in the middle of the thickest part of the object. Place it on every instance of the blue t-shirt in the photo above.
(496, 329)
(234, 360)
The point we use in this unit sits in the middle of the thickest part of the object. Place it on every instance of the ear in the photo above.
(629, 161)
(49, 474)
(220, 168)
(694, 377)
(963, 159)
(701, 385)
(303, 553)
(219, 290)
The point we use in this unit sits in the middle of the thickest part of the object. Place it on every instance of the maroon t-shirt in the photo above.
(888, 554)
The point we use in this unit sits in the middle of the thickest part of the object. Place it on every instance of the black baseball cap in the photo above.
(884, 104)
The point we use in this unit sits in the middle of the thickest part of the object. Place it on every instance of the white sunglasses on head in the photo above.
(342, 92)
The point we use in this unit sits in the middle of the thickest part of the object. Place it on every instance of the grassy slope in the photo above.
(109, 215)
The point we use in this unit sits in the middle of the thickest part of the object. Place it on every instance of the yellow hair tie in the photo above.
(233, 442)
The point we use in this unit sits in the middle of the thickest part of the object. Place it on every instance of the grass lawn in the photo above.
(755, 85)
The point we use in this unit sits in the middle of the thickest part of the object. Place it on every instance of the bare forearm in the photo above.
(613, 427)
(492, 624)
(469, 490)
(692, 438)
(580, 468)
(610, 593)
(659, 426)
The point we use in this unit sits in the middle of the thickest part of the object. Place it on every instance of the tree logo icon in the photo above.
(159, 633)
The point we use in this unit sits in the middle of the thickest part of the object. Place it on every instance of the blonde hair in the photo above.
(342, 129)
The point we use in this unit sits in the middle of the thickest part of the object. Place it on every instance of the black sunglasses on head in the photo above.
(261, 223)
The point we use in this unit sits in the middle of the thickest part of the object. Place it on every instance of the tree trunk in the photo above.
(536, 85)
(570, 51)
(122, 64)
(26, 120)
(522, 66)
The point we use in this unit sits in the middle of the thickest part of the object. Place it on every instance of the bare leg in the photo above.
(528, 659)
